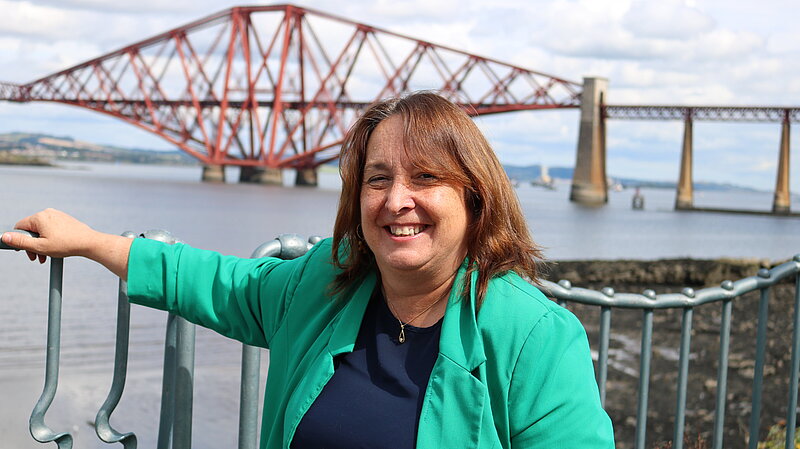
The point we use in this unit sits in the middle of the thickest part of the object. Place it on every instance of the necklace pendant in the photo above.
(402, 337)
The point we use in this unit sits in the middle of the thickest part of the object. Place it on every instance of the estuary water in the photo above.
(234, 219)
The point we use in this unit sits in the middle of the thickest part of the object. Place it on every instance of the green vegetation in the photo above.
(776, 438)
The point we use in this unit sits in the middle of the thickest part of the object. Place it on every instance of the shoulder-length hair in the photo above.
(441, 139)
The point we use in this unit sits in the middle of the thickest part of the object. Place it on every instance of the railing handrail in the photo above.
(607, 297)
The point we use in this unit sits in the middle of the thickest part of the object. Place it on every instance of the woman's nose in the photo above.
(399, 197)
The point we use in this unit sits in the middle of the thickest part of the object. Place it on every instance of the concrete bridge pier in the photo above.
(782, 201)
(213, 173)
(684, 199)
(261, 175)
(589, 179)
(306, 177)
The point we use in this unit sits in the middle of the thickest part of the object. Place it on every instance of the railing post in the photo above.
(644, 377)
(602, 353)
(39, 430)
(722, 370)
(248, 399)
(683, 373)
(791, 412)
(167, 414)
(103, 428)
(758, 374)
(184, 385)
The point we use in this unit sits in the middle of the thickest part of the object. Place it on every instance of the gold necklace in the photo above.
(402, 337)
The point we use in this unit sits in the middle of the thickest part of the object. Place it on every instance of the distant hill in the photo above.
(43, 147)
(532, 172)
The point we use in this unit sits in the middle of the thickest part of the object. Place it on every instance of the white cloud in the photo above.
(666, 19)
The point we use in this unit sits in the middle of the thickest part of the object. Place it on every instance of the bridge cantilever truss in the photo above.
(262, 86)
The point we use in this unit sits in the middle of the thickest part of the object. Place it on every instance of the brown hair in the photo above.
(443, 140)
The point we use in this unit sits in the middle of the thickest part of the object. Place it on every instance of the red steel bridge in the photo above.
(278, 86)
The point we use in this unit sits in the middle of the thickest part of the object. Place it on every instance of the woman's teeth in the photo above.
(401, 231)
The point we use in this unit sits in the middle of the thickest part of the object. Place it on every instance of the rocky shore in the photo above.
(671, 276)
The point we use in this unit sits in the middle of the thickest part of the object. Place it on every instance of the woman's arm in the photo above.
(61, 235)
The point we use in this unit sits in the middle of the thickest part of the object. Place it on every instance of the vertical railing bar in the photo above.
(170, 388)
(602, 355)
(184, 385)
(39, 430)
(683, 374)
(644, 377)
(248, 399)
(722, 374)
(103, 428)
(562, 302)
(167, 415)
(791, 412)
(758, 374)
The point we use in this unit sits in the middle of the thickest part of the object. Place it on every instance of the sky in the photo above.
(682, 52)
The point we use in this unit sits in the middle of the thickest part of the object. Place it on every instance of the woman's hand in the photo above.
(61, 235)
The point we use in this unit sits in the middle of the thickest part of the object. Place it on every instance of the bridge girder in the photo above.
(257, 85)
(706, 113)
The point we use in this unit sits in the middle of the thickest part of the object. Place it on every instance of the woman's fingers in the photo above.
(19, 241)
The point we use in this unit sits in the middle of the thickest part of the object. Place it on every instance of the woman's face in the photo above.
(411, 220)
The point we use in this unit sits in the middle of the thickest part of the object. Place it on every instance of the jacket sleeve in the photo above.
(243, 299)
(554, 402)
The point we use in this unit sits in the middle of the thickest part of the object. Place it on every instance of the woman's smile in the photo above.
(405, 230)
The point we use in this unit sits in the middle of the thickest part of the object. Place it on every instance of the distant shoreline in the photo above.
(16, 159)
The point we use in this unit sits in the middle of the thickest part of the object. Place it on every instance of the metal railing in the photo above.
(686, 301)
(175, 423)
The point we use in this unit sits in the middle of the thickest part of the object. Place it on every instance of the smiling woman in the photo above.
(412, 327)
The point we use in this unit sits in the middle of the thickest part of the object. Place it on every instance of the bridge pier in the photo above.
(306, 177)
(684, 198)
(213, 173)
(782, 201)
(589, 178)
(261, 175)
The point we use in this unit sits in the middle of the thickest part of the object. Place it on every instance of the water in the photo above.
(235, 219)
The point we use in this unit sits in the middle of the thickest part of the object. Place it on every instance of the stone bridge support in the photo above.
(589, 178)
(261, 175)
(684, 199)
(306, 177)
(782, 201)
(213, 173)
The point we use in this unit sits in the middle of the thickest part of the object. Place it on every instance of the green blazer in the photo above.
(517, 375)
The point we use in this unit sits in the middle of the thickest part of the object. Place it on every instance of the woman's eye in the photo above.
(378, 179)
(427, 177)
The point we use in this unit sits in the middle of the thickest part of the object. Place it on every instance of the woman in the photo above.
(411, 327)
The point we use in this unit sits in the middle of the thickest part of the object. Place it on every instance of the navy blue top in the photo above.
(375, 395)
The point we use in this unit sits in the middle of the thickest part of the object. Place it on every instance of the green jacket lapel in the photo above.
(456, 399)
